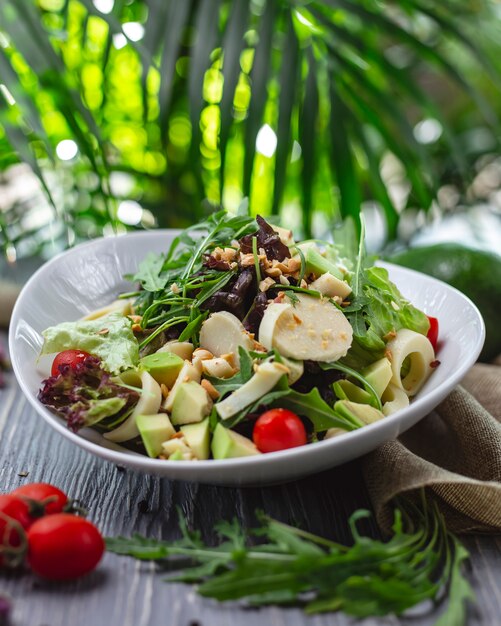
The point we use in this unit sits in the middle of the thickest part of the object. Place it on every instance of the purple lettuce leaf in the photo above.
(86, 395)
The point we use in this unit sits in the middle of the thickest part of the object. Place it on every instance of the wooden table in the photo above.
(123, 592)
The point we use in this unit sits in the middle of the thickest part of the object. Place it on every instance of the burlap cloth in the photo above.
(455, 453)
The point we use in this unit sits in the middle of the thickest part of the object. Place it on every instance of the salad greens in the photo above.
(280, 564)
(87, 396)
(110, 338)
(254, 322)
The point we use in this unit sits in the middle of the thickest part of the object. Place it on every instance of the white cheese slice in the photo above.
(312, 329)
(394, 398)
(419, 350)
(223, 333)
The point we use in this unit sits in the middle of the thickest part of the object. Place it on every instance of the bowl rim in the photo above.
(180, 470)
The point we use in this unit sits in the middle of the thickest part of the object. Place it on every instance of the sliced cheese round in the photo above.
(148, 404)
(394, 398)
(269, 322)
(311, 329)
(418, 349)
(222, 333)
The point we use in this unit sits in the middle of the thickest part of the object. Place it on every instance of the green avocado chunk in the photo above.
(154, 430)
(191, 404)
(318, 265)
(228, 444)
(177, 456)
(197, 437)
(363, 412)
(346, 390)
(378, 375)
(163, 366)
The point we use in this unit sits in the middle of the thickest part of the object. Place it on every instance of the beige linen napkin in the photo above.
(455, 453)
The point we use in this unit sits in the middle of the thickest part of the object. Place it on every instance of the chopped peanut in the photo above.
(202, 354)
(164, 389)
(230, 357)
(265, 284)
(210, 389)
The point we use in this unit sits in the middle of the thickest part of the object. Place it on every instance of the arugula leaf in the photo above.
(193, 327)
(460, 590)
(315, 408)
(369, 578)
(149, 273)
(354, 374)
(226, 385)
(402, 312)
(267, 400)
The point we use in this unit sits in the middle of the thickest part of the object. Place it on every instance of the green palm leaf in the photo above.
(318, 73)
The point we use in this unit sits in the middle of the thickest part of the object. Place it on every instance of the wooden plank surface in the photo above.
(123, 592)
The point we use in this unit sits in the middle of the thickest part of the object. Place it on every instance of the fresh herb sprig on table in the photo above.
(284, 565)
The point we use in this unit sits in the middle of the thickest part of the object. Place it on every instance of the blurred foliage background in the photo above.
(136, 114)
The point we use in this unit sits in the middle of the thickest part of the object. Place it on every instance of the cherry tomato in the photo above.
(68, 357)
(63, 546)
(15, 518)
(278, 429)
(51, 498)
(433, 331)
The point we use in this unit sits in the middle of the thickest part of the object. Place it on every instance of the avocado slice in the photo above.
(163, 366)
(191, 404)
(228, 444)
(154, 430)
(318, 265)
(361, 412)
(346, 390)
(177, 456)
(378, 375)
(197, 437)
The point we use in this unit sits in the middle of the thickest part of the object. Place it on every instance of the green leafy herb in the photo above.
(316, 409)
(149, 273)
(256, 259)
(289, 565)
(336, 365)
(292, 297)
(226, 385)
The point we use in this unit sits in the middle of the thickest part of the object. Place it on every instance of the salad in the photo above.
(240, 341)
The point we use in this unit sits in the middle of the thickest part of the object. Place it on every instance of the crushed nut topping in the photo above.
(210, 389)
(265, 284)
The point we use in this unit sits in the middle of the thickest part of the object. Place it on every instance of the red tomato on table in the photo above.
(63, 546)
(53, 499)
(15, 518)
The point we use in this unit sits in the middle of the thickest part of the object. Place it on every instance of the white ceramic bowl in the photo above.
(91, 275)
